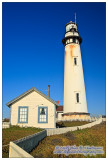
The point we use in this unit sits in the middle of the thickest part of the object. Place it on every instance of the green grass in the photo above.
(94, 136)
(71, 123)
(13, 133)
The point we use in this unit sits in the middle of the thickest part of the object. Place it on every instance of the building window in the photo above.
(77, 97)
(23, 115)
(43, 115)
(75, 61)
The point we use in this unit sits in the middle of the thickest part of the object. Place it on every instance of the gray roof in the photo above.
(29, 91)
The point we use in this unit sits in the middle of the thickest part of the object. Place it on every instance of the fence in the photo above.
(5, 124)
(104, 119)
(66, 129)
(19, 147)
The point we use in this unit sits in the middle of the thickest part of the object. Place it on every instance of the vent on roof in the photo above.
(48, 90)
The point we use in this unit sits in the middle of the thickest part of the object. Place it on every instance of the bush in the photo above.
(6, 120)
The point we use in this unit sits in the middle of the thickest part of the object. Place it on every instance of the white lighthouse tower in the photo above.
(75, 105)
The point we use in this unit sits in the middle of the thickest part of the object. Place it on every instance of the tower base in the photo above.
(76, 116)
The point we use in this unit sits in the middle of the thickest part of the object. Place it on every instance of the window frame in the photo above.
(77, 97)
(19, 114)
(40, 107)
(75, 92)
(76, 61)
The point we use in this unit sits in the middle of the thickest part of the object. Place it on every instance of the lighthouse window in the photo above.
(77, 97)
(70, 40)
(73, 40)
(75, 61)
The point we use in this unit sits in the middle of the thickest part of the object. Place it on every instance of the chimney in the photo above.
(48, 90)
(58, 101)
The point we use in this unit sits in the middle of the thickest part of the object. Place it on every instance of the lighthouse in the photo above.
(75, 105)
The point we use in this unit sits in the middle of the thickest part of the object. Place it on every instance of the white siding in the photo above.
(33, 100)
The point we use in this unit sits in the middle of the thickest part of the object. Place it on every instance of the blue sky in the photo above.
(33, 53)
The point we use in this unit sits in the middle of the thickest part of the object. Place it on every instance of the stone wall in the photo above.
(84, 117)
(26, 144)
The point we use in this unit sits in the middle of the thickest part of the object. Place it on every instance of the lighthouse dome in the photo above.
(71, 34)
(71, 26)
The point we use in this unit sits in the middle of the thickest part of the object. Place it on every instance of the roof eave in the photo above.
(27, 92)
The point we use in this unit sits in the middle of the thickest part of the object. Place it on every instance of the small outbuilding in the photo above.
(33, 109)
(59, 112)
